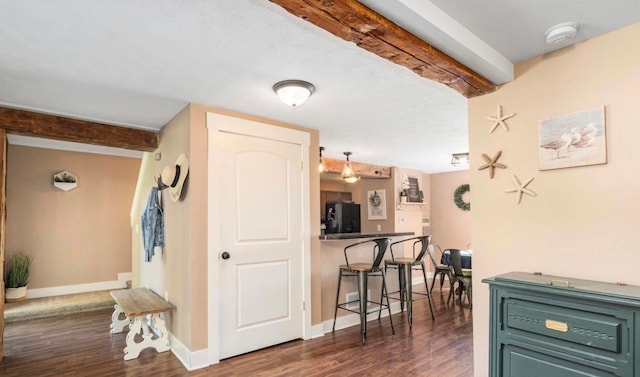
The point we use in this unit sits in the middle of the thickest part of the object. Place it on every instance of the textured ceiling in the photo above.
(137, 63)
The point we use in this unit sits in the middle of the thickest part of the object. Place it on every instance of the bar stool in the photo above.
(362, 271)
(405, 267)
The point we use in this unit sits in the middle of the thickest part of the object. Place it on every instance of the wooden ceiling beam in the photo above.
(362, 170)
(28, 123)
(354, 22)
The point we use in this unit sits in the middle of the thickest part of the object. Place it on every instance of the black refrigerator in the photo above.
(342, 218)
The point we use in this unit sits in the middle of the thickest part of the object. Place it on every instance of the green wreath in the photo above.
(457, 197)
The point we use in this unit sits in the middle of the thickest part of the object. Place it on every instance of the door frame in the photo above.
(216, 124)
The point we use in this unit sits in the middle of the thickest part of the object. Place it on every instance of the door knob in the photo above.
(225, 255)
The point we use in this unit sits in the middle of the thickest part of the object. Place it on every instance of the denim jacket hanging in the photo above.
(152, 225)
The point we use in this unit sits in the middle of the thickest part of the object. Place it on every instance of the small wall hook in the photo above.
(158, 180)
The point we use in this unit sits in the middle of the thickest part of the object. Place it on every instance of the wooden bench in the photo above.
(143, 312)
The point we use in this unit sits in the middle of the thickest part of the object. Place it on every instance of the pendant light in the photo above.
(321, 167)
(348, 174)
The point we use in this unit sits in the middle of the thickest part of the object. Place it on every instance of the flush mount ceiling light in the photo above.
(348, 174)
(460, 159)
(321, 167)
(561, 32)
(293, 92)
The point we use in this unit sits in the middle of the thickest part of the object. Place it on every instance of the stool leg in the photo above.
(424, 274)
(362, 291)
(408, 289)
(433, 283)
(335, 314)
(384, 287)
(402, 286)
(381, 296)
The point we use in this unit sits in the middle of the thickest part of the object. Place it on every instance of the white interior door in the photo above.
(261, 242)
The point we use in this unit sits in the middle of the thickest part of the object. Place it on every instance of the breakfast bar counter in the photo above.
(354, 236)
(332, 256)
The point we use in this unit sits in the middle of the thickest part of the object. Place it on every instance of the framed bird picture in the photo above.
(570, 140)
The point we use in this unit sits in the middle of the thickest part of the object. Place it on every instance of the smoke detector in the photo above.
(561, 32)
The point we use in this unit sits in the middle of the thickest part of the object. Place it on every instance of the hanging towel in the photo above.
(152, 225)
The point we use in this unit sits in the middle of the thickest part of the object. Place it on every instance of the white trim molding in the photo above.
(80, 288)
(191, 360)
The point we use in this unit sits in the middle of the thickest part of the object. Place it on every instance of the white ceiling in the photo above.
(137, 63)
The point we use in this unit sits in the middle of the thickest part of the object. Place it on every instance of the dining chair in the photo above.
(362, 271)
(439, 268)
(460, 276)
(405, 266)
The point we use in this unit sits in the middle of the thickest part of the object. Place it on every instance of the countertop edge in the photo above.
(352, 236)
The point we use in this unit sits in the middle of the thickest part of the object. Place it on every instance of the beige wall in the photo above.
(79, 236)
(450, 226)
(426, 183)
(583, 222)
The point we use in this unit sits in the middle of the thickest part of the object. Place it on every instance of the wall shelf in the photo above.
(65, 181)
(410, 206)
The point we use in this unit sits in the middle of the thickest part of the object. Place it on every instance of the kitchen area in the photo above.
(370, 207)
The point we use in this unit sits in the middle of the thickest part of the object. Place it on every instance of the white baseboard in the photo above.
(80, 288)
(199, 359)
(317, 331)
(190, 360)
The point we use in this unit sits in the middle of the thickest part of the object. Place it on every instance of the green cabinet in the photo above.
(548, 326)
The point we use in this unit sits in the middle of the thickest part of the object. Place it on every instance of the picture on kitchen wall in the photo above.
(376, 205)
(414, 194)
(570, 140)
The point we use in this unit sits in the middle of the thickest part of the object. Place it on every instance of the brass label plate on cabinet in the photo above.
(555, 325)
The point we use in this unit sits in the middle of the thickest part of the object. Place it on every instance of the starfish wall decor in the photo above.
(499, 120)
(492, 164)
(520, 188)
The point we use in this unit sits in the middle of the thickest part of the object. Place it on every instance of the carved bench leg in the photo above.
(132, 350)
(152, 337)
(118, 324)
(161, 344)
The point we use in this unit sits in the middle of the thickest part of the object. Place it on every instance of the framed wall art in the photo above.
(413, 193)
(570, 140)
(377, 205)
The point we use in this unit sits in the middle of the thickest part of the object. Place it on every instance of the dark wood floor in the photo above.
(80, 345)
